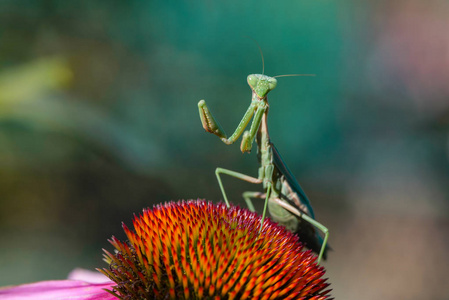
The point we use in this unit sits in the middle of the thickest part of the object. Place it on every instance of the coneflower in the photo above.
(194, 250)
(199, 250)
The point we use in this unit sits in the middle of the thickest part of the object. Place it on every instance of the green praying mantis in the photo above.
(286, 201)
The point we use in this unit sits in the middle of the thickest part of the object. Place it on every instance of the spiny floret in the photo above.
(198, 250)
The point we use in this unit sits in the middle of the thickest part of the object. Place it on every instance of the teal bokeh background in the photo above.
(99, 118)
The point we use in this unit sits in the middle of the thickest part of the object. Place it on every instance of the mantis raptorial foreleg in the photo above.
(308, 219)
(212, 126)
(249, 136)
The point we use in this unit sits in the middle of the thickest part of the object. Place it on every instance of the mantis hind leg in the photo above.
(322, 228)
(237, 175)
(309, 219)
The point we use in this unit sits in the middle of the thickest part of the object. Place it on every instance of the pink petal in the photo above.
(58, 289)
(87, 276)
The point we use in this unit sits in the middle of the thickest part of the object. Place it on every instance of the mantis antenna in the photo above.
(288, 75)
(263, 62)
(261, 53)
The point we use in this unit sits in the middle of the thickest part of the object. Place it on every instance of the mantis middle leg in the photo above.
(238, 175)
(248, 195)
(246, 178)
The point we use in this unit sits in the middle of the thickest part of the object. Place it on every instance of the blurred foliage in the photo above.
(99, 118)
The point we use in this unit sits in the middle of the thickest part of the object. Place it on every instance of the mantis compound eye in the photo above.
(272, 82)
(252, 80)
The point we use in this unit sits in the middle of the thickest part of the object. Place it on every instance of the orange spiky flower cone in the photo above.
(199, 250)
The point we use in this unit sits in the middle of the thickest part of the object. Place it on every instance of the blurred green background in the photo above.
(99, 119)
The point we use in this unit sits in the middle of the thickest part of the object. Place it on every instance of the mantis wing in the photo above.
(311, 238)
(291, 180)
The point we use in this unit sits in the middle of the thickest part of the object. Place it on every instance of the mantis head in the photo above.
(261, 84)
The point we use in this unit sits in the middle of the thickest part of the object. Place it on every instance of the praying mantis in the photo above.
(287, 203)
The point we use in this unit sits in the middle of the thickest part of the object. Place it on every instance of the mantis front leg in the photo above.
(249, 136)
(213, 126)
